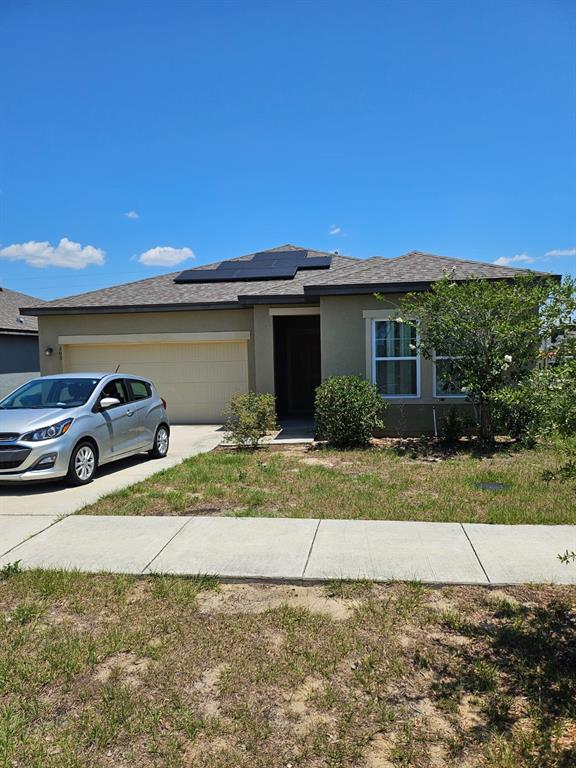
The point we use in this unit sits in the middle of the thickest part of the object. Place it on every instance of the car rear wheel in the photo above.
(161, 443)
(82, 467)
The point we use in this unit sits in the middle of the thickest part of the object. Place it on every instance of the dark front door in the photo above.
(296, 363)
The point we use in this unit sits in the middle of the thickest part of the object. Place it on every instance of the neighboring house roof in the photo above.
(11, 319)
(346, 274)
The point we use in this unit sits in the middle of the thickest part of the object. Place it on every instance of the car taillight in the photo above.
(164, 403)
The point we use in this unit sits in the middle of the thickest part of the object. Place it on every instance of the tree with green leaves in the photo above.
(491, 333)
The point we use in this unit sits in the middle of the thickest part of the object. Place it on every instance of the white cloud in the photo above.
(335, 230)
(508, 261)
(66, 254)
(562, 252)
(131, 215)
(165, 256)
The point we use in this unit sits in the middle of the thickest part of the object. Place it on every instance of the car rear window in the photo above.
(140, 389)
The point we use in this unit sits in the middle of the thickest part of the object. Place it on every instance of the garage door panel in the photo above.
(188, 372)
(200, 393)
(197, 379)
(194, 353)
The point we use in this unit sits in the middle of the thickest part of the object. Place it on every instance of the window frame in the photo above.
(122, 381)
(412, 358)
(435, 357)
(130, 391)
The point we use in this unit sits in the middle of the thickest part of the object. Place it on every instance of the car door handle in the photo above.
(129, 413)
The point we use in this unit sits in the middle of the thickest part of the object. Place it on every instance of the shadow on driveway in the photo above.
(42, 487)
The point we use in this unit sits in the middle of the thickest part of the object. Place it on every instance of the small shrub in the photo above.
(250, 417)
(452, 427)
(347, 411)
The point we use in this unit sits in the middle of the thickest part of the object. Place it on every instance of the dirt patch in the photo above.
(139, 592)
(298, 703)
(314, 461)
(301, 709)
(129, 666)
(335, 462)
(469, 713)
(258, 598)
(206, 690)
(435, 721)
(209, 749)
(378, 753)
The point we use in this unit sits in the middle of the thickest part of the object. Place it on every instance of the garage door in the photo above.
(196, 379)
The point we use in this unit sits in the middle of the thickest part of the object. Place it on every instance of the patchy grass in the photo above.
(113, 671)
(374, 484)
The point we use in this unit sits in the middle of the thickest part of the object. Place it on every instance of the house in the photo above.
(18, 341)
(275, 321)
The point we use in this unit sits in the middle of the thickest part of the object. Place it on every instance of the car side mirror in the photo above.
(108, 402)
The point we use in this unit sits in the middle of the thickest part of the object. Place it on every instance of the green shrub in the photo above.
(518, 412)
(555, 386)
(249, 418)
(452, 427)
(347, 411)
(542, 404)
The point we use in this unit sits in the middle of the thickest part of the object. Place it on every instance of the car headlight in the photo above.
(48, 433)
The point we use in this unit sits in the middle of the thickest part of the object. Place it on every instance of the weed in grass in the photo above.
(182, 590)
(348, 588)
(25, 613)
(483, 677)
(458, 623)
(10, 569)
(11, 727)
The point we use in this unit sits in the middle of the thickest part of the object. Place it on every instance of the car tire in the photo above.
(83, 464)
(161, 443)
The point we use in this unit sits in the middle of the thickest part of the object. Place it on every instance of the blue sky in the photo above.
(373, 128)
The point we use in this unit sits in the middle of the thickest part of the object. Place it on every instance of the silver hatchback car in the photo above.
(68, 425)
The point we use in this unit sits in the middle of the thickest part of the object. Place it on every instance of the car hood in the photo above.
(21, 420)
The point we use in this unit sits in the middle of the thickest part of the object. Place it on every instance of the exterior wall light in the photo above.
(48, 351)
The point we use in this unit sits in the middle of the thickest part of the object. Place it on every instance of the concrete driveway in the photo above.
(56, 499)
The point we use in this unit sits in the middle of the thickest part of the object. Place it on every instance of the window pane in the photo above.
(393, 339)
(445, 384)
(140, 390)
(115, 388)
(396, 377)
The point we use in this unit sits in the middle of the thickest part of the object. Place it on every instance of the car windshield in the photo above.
(50, 393)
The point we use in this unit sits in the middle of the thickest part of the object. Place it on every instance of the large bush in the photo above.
(544, 403)
(249, 418)
(518, 412)
(348, 410)
(490, 332)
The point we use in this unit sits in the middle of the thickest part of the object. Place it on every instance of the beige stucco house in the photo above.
(278, 321)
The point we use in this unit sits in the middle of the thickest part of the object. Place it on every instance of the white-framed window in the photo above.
(395, 359)
(443, 386)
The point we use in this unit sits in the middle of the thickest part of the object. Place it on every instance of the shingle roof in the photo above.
(371, 274)
(11, 320)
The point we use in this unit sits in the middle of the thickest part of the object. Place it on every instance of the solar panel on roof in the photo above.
(265, 265)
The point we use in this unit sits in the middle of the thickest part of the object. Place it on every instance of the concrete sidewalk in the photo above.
(283, 549)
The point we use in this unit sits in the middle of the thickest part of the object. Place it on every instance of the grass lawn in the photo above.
(374, 484)
(117, 672)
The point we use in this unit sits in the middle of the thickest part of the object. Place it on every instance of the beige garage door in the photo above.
(196, 379)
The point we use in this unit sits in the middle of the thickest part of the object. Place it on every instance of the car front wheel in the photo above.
(82, 465)
(161, 443)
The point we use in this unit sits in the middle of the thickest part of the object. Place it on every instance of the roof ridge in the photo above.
(276, 248)
(468, 261)
(7, 291)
